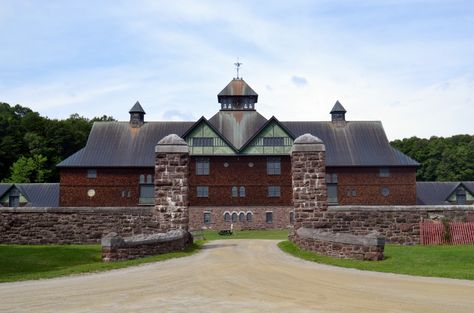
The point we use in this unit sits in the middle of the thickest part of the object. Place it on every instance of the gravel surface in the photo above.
(238, 276)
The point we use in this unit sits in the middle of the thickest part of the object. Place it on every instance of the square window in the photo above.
(202, 166)
(207, 217)
(332, 193)
(274, 191)
(202, 191)
(269, 217)
(147, 194)
(91, 173)
(273, 166)
(384, 172)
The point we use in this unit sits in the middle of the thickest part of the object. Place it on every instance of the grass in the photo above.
(434, 261)
(23, 262)
(275, 234)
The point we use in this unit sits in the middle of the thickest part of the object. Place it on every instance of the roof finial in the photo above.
(237, 66)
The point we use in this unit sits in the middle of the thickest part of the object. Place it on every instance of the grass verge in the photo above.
(22, 262)
(433, 261)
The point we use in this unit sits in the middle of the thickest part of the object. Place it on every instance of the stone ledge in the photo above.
(408, 208)
(113, 240)
(345, 238)
(172, 144)
(71, 210)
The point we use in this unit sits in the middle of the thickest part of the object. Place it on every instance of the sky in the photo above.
(409, 64)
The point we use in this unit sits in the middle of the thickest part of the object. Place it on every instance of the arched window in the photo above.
(235, 193)
(292, 217)
(226, 217)
(142, 179)
(249, 216)
(149, 179)
(242, 217)
(242, 192)
(234, 217)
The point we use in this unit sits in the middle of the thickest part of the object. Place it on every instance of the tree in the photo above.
(29, 170)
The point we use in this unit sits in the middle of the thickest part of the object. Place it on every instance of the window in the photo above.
(269, 217)
(149, 179)
(91, 173)
(385, 191)
(242, 192)
(126, 193)
(242, 217)
(207, 218)
(292, 217)
(273, 191)
(14, 198)
(460, 196)
(202, 191)
(147, 194)
(273, 141)
(202, 166)
(235, 192)
(226, 217)
(332, 193)
(234, 217)
(203, 142)
(249, 216)
(273, 166)
(331, 178)
(142, 179)
(384, 172)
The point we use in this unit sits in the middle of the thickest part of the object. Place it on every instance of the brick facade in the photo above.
(280, 217)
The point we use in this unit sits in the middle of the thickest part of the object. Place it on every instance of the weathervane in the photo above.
(237, 66)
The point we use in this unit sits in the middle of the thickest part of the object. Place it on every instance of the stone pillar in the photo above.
(171, 183)
(308, 168)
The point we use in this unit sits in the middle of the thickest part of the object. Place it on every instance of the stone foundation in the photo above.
(340, 245)
(116, 248)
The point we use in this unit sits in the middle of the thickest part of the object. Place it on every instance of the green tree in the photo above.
(29, 170)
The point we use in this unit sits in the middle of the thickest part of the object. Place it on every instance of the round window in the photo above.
(385, 191)
(91, 193)
(251, 164)
(226, 164)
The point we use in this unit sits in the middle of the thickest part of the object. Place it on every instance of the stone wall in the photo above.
(280, 220)
(399, 224)
(115, 248)
(73, 225)
(340, 245)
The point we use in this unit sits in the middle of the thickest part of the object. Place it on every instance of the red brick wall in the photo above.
(108, 186)
(281, 217)
(367, 183)
(255, 180)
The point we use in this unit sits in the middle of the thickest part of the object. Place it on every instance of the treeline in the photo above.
(441, 159)
(31, 145)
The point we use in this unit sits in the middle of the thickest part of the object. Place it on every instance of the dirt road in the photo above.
(238, 276)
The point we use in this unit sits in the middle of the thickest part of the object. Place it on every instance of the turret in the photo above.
(137, 115)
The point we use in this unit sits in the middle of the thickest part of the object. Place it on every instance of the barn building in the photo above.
(240, 169)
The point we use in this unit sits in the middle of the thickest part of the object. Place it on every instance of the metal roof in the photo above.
(337, 108)
(38, 195)
(117, 144)
(237, 126)
(433, 193)
(237, 87)
(137, 108)
(358, 143)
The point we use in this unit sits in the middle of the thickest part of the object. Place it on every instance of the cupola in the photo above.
(137, 115)
(338, 113)
(237, 96)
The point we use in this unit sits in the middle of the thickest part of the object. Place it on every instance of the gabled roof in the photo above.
(273, 119)
(117, 144)
(358, 143)
(433, 193)
(237, 87)
(238, 126)
(137, 108)
(338, 108)
(38, 195)
(205, 121)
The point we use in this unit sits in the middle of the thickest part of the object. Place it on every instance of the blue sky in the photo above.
(409, 64)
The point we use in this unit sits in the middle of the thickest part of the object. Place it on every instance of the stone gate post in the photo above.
(171, 183)
(308, 168)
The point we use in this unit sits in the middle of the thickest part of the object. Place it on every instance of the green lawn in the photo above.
(436, 261)
(276, 234)
(23, 262)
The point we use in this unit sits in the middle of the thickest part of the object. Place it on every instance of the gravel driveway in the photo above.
(238, 276)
